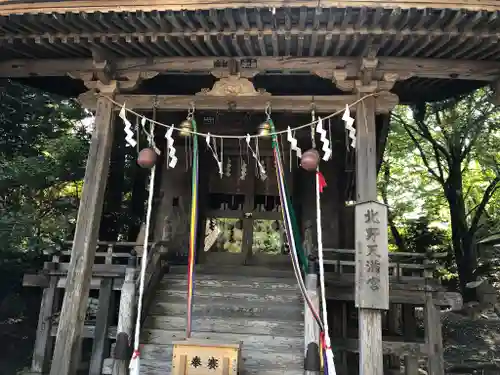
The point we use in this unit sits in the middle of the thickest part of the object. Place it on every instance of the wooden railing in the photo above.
(401, 265)
(116, 267)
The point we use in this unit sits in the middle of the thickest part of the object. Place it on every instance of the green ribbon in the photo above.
(295, 228)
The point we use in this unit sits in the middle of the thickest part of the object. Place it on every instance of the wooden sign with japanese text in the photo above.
(372, 256)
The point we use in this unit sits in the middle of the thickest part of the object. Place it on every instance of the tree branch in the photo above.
(488, 193)
(398, 239)
(440, 177)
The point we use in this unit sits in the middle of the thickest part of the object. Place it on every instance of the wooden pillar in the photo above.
(171, 222)
(370, 319)
(312, 363)
(393, 360)
(43, 341)
(433, 330)
(125, 321)
(68, 343)
(410, 335)
(101, 343)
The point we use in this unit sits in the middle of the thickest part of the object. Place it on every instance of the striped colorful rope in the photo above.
(193, 232)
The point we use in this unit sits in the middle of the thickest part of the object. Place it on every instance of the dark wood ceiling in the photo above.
(419, 33)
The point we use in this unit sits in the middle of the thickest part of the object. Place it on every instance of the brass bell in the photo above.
(265, 129)
(186, 127)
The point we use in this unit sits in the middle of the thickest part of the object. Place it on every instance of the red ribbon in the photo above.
(136, 354)
(321, 181)
(322, 340)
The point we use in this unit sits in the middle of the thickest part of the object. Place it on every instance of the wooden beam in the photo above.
(297, 104)
(89, 331)
(388, 347)
(68, 343)
(404, 67)
(48, 7)
(42, 281)
(396, 295)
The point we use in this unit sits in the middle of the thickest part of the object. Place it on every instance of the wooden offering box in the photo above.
(203, 357)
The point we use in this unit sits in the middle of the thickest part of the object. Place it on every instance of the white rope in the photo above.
(230, 136)
(134, 362)
(328, 350)
(319, 230)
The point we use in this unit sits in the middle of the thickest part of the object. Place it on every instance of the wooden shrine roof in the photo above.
(459, 30)
(61, 6)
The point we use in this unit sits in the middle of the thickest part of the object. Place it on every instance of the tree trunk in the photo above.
(460, 236)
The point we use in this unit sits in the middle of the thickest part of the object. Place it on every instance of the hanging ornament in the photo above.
(262, 170)
(327, 151)
(150, 136)
(214, 153)
(228, 167)
(262, 173)
(170, 147)
(310, 160)
(186, 127)
(147, 158)
(293, 143)
(243, 170)
(129, 134)
(349, 122)
(265, 129)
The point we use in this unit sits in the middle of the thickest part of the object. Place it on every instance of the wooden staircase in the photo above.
(264, 312)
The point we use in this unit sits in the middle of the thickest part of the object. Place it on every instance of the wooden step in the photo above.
(226, 309)
(274, 344)
(249, 271)
(253, 361)
(163, 368)
(202, 294)
(223, 325)
(231, 281)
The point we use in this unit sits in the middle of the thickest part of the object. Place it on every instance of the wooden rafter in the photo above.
(402, 67)
(288, 31)
(9, 7)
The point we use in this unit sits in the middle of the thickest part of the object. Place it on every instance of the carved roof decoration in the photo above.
(233, 85)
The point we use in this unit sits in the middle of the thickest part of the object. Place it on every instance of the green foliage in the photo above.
(267, 236)
(43, 148)
(442, 164)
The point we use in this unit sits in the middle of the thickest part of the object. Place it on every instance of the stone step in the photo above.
(274, 344)
(223, 325)
(226, 309)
